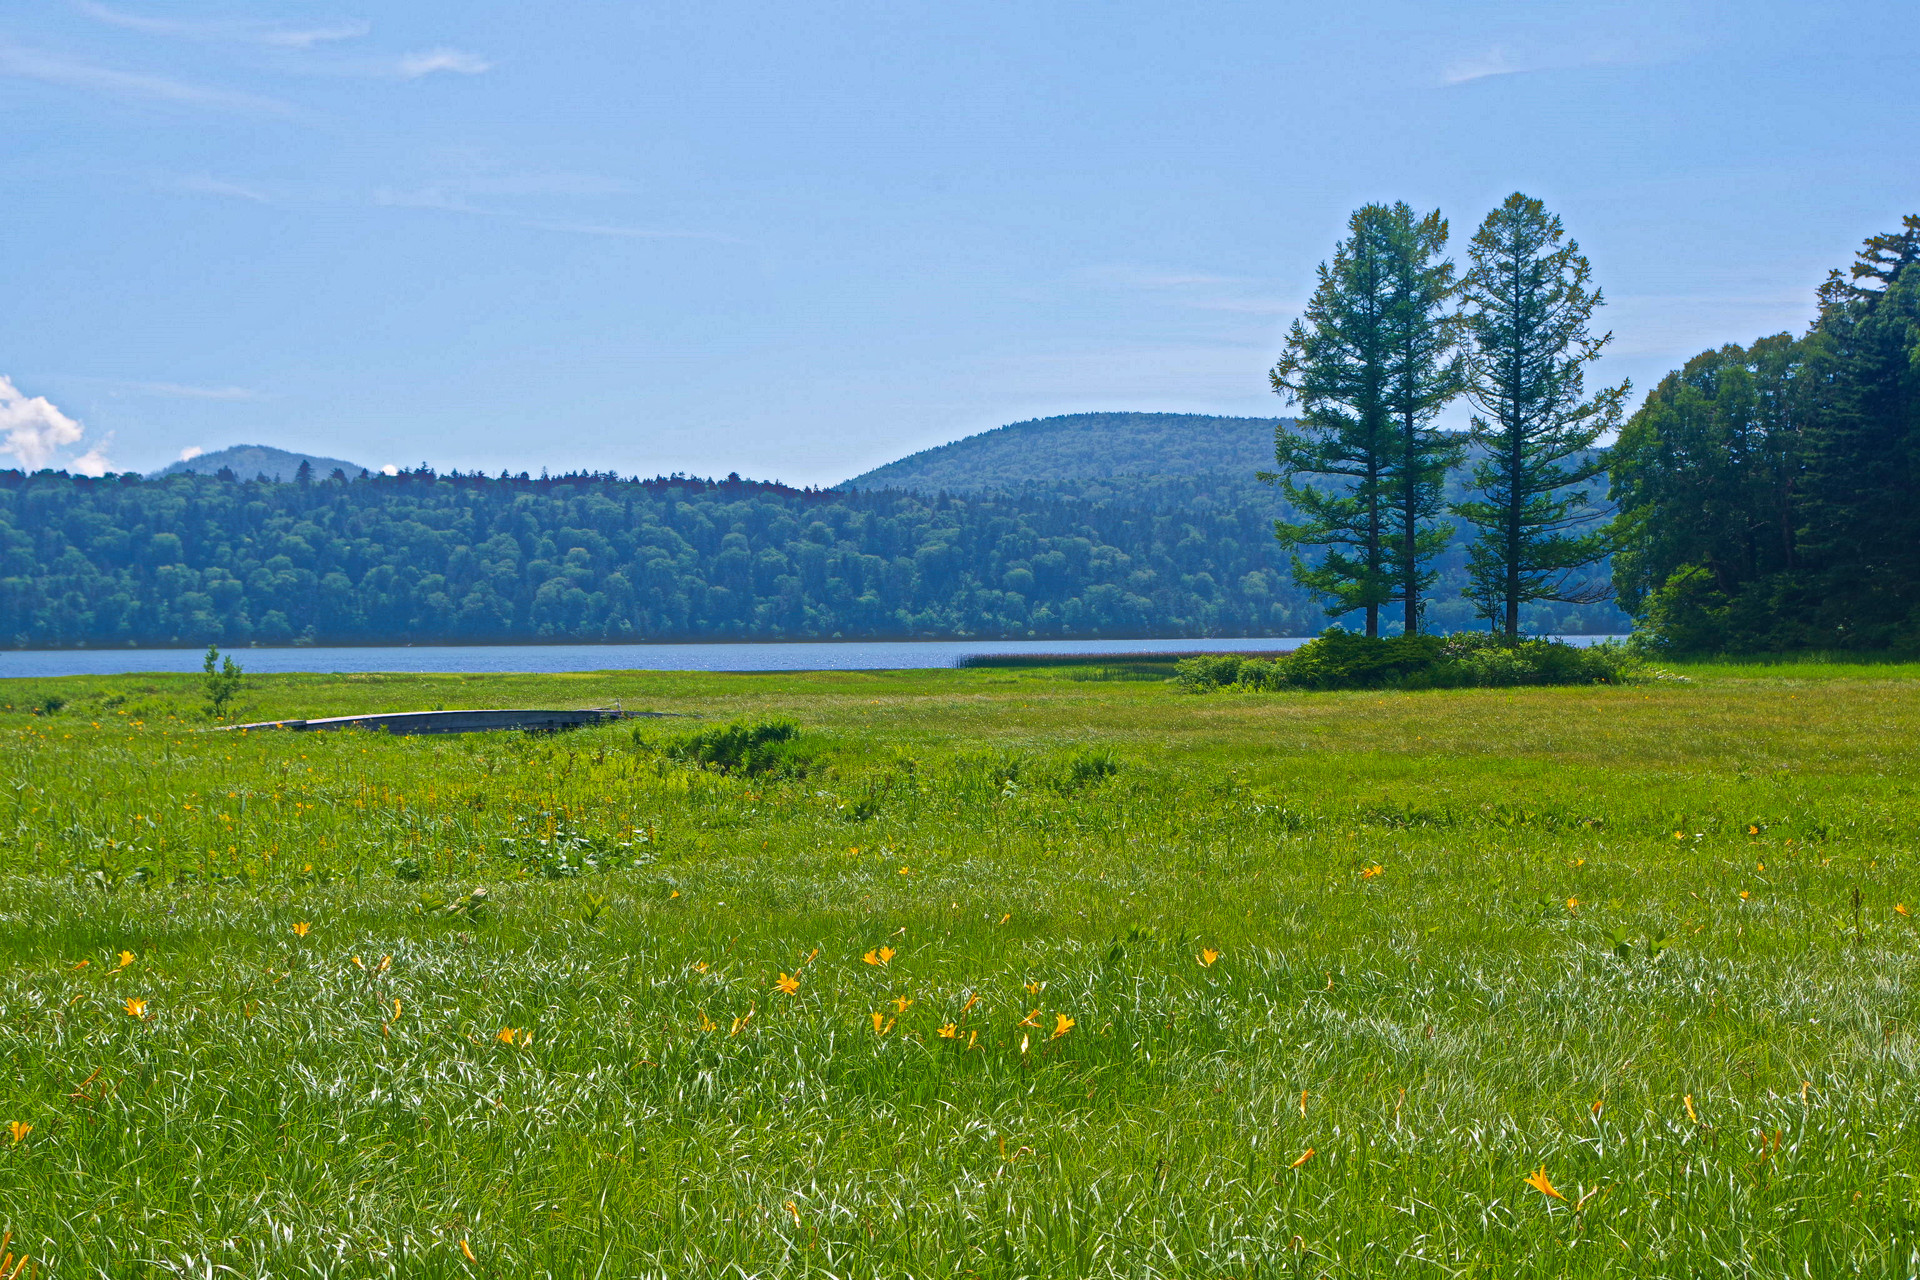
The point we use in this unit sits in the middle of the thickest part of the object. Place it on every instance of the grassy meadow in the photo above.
(1005, 972)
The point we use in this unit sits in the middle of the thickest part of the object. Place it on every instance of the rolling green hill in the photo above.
(1084, 446)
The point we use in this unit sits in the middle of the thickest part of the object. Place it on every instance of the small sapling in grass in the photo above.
(221, 681)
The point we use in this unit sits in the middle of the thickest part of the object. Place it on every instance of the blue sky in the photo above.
(797, 241)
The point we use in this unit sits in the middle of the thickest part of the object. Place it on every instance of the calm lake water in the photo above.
(858, 655)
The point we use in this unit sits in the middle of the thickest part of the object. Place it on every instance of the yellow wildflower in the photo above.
(19, 1130)
(1538, 1181)
(788, 983)
(1304, 1157)
(948, 1031)
(300, 929)
(136, 1008)
(1207, 956)
(1061, 1025)
(901, 1004)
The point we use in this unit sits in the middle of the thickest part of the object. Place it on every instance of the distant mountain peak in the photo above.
(249, 460)
(1085, 446)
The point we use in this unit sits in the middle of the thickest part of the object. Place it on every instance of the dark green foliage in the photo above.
(1528, 302)
(1425, 371)
(1345, 660)
(1084, 446)
(466, 559)
(749, 747)
(1371, 364)
(1767, 495)
(1333, 463)
(426, 558)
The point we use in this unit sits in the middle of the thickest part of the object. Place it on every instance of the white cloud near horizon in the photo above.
(33, 430)
(191, 452)
(94, 462)
(29, 64)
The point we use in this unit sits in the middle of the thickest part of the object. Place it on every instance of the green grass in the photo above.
(1433, 1032)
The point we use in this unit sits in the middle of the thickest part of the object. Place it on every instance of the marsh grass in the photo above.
(1439, 921)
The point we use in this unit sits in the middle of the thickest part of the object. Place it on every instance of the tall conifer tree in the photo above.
(1425, 371)
(1528, 304)
(1336, 368)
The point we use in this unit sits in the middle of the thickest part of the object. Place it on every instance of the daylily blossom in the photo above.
(1538, 1181)
(1207, 956)
(1061, 1025)
(136, 1008)
(948, 1031)
(300, 929)
(788, 983)
(1304, 1157)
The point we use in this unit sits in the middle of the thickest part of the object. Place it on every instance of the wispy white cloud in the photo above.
(203, 185)
(184, 392)
(242, 32)
(415, 65)
(1496, 61)
(1611, 50)
(191, 452)
(446, 201)
(28, 64)
(1195, 290)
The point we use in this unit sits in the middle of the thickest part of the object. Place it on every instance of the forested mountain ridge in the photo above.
(1084, 446)
(246, 461)
(419, 557)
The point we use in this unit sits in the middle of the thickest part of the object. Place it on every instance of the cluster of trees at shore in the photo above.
(1389, 340)
(1769, 495)
(188, 559)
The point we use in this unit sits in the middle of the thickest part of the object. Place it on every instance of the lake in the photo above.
(834, 655)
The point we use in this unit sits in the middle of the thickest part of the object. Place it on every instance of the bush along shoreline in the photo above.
(1340, 659)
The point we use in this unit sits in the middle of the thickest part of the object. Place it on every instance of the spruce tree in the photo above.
(1336, 367)
(1425, 372)
(1860, 521)
(1528, 303)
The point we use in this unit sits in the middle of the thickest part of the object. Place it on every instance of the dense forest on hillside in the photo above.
(1083, 446)
(188, 559)
(1770, 494)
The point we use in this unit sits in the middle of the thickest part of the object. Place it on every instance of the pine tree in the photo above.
(1860, 523)
(1528, 304)
(1337, 367)
(1425, 372)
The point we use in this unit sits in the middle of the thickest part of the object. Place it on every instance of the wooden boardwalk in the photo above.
(410, 722)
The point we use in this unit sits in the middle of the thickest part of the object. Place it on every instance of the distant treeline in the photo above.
(420, 557)
(1770, 495)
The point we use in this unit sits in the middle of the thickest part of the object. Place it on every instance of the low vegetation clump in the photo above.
(1344, 660)
(1025, 975)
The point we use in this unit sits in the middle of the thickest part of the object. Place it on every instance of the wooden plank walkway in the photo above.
(526, 720)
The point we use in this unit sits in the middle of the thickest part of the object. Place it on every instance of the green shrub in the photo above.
(1344, 660)
(756, 747)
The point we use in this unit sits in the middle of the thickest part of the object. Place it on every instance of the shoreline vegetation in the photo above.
(1007, 971)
